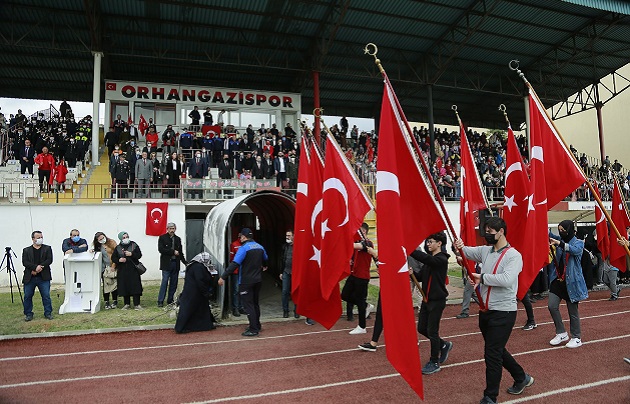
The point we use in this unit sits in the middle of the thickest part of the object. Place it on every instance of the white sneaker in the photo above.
(574, 343)
(559, 338)
(358, 330)
(369, 309)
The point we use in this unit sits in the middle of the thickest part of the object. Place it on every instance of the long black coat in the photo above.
(129, 283)
(165, 248)
(194, 309)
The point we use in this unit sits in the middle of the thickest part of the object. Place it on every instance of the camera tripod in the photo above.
(11, 269)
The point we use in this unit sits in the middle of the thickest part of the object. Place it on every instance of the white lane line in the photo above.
(106, 351)
(569, 389)
(300, 390)
(275, 359)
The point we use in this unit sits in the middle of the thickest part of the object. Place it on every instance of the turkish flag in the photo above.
(526, 223)
(207, 128)
(472, 198)
(601, 227)
(142, 125)
(344, 207)
(129, 120)
(157, 214)
(562, 172)
(305, 287)
(619, 216)
(110, 87)
(406, 214)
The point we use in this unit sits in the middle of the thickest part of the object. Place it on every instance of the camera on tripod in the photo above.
(11, 269)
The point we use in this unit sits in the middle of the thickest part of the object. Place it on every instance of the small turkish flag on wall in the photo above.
(110, 86)
(156, 218)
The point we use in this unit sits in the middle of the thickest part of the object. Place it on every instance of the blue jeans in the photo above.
(169, 278)
(29, 292)
(236, 298)
(286, 291)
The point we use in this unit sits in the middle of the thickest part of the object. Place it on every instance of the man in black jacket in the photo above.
(36, 259)
(171, 254)
(251, 260)
(433, 277)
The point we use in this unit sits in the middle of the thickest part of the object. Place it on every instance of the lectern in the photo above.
(83, 283)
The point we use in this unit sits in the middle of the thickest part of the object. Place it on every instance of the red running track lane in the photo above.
(293, 363)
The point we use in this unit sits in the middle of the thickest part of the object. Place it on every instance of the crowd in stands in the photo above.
(53, 143)
(267, 153)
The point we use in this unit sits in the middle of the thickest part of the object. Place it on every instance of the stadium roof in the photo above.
(460, 48)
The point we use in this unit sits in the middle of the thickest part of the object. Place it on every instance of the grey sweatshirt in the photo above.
(505, 282)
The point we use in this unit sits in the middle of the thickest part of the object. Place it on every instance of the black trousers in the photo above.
(44, 178)
(429, 325)
(496, 327)
(355, 292)
(378, 321)
(249, 299)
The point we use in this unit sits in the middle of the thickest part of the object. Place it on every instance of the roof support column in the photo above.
(96, 97)
(600, 130)
(431, 123)
(317, 111)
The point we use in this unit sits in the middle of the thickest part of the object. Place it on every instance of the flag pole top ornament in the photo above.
(371, 49)
(503, 110)
(515, 65)
(317, 112)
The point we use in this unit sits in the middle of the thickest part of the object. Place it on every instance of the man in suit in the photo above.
(36, 260)
(144, 173)
(121, 175)
(171, 254)
(226, 171)
(267, 166)
(27, 157)
(280, 164)
(196, 169)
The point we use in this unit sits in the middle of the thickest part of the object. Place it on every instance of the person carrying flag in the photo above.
(500, 266)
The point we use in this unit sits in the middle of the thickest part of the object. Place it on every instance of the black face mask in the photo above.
(490, 238)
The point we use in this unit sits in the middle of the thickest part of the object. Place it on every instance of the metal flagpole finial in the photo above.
(503, 109)
(454, 108)
(317, 112)
(515, 65)
(371, 49)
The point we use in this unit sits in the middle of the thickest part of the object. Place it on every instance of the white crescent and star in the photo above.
(156, 220)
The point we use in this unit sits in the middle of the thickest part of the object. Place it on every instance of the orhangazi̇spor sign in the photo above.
(215, 97)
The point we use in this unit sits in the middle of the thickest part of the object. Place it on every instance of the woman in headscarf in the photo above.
(567, 283)
(125, 256)
(106, 247)
(194, 308)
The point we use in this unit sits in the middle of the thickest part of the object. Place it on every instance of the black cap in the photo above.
(246, 232)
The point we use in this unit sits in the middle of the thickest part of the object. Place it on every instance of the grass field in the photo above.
(12, 317)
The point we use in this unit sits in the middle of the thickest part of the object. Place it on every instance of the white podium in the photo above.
(83, 283)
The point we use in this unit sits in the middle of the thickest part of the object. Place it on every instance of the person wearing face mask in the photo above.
(498, 282)
(143, 175)
(36, 260)
(125, 255)
(257, 170)
(285, 276)
(109, 275)
(567, 283)
(292, 173)
(71, 152)
(74, 243)
(280, 168)
(197, 168)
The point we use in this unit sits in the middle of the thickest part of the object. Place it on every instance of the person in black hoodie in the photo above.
(433, 276)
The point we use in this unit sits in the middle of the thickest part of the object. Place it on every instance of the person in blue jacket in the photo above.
(567, 283)
(251, 259)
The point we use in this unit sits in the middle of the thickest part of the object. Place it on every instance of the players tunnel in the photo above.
(269, 214)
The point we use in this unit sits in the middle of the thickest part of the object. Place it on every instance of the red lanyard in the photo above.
(425, 298)
(496, 266)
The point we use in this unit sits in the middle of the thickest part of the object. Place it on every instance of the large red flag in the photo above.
(129, 120)
(620, 218)
(142, 125)
(406, 214)
(345, 205)
(306, 289)
(157, 217)
(562, 173)
(525, 220)
(601, 228)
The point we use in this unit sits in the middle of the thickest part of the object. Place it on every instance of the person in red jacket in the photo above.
(237, 306)
(46, 163)
(152, 139)
(59, 174)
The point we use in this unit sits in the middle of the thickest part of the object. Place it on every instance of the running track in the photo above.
(294, 363)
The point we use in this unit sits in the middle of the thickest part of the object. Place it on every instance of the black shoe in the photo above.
(462, 315)
(529, 326)
(309, 322)
(285, 314)
(350, 318)
(518, 388)
(445, 351)
(296, 315)
(249, 333)
(28, 317)
(367, 347)
(487, 400)
(48, 316)
(236, 313)
(160, 304)
(242, 311)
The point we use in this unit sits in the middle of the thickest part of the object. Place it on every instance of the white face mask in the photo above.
(125, 241)
(39, 241)
(102, 241)
(289, 240)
